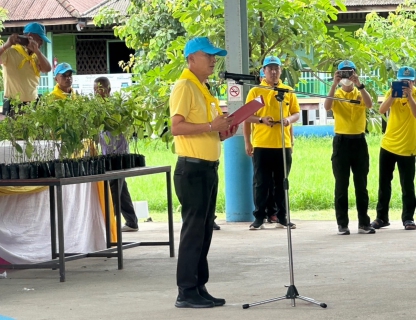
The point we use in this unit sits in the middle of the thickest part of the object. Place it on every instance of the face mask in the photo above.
(346, 82)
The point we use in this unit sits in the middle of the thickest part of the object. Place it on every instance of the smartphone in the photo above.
(345, 74)
(397, 88)
(23, 40)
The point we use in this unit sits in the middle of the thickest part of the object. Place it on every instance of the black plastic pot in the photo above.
(51, 166)
(139, 160)
(69, 172)
(59, 169)
(5, 171)
(24, 171)
(116, 161)
(76, 168)
(81, 168)
(34, 170)
(101, 165)
(44, 171)
(14, 171)
(107, 160)
(127, 161)
(86, 167)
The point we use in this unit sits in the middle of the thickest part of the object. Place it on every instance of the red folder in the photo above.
(247, 110)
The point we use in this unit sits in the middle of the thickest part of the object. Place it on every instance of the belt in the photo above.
(199, 161)
(350, 136)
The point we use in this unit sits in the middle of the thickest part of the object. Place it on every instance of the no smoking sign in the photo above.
(234, 91)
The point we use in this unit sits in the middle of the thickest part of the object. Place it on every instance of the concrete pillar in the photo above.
(238, 168)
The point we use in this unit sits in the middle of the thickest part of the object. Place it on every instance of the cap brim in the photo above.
(277, 64)
(44, 38)
(65, 70)
(217, 51)
(406, 78)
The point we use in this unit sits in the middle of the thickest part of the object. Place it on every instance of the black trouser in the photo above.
(271, 208)
(350, 152)
(196, 185)
(268, 169)
(406, 166)
(11, 110)
(127, 209)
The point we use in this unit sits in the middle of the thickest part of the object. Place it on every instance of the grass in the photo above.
(311, 181)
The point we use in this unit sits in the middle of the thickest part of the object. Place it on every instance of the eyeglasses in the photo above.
(63, 75)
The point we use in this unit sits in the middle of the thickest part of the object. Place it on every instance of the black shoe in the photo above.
(204, 294)
(190, 298)
(257, 224)
(216, 226)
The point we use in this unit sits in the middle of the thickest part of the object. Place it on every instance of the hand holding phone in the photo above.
(23, 40)
(345, 74)
(397, 88)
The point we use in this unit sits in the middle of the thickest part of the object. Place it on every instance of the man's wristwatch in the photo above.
(361, 87)
(260, 120)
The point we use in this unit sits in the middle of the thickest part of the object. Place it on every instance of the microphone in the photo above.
(237, 76)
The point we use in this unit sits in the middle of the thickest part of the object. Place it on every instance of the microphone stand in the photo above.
(292, 292)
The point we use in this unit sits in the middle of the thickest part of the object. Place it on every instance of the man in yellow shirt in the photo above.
(350, 151)
(265, 142)
(398, 146)
(22, 64)
(198, 126)
(63, 77)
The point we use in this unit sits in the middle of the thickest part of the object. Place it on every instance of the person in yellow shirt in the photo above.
(63, 77)
(350, 151)
(22, 63)
(265, 142)
(271, 209)
(398, 146)
(198, 126)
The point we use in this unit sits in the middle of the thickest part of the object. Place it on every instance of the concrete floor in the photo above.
(357, 276)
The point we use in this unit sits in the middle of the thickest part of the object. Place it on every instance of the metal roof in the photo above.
(35, 10)
(118, 5)
(366, 3)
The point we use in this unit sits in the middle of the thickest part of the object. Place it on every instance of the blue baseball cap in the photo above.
(406, 73)
(62, 68)
(271, 60)
(38, 29)
(203, 44)
(262, 73)
(347, 64)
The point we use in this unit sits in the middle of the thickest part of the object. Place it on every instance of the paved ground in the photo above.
(358, 276)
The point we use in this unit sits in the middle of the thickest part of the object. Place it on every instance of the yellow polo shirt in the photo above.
(57, 93)
(22, 82)
(400, 136)
(188, 101)
(349, 118)
(264, 136)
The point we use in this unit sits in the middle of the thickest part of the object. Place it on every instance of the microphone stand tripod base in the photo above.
(292, 293)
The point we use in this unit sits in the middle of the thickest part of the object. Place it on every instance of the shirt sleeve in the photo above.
(294, 104)
(250, 96)
(181, 100)
(5, 56)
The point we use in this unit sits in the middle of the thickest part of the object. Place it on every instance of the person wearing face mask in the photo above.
(398, 146)
(350, 151)
(263, 141)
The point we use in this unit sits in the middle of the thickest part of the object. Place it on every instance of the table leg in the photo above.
(52, 204)
(170, 214)
(118, 218)
(107, 215)
(61, 234)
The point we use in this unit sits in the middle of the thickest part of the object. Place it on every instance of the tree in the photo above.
(301, 32)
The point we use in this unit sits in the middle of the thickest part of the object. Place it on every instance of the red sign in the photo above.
(234, 91)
